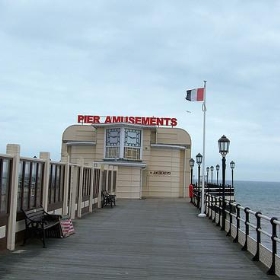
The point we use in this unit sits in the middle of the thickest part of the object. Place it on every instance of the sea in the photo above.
(263, 197)
(259, 196)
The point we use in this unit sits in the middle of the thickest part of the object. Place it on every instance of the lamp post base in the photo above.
(201, 215)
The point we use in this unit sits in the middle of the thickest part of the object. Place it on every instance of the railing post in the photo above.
(206, 202)
(65, 207)
(257, 255)
(235, 240)
(99, 202)
(215, 209)
(219, 221)
(247, 228)
(198, 198)
(230, 219)
(211, 206)
(80, 187)
(47, 167)
(73, 191)
(13, 150)
(91, 189)
(271, 271)
(194, 194)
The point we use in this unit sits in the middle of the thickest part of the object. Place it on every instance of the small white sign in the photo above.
(160, 173)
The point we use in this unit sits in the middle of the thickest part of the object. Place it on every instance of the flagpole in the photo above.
(202, 212)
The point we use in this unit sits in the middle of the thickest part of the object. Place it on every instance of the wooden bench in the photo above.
(39, 223)
(107, 199)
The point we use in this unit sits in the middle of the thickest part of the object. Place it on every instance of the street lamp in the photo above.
(207, 170)
(198, 161)
(217, 168)
(191, 162)
(212, 169)
(232, 165)
(223, 144)
(191, 166)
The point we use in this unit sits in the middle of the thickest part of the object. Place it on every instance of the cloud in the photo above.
(64, 58)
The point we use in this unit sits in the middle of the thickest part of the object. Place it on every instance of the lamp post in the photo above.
(207, 170)
(217, 169)
(212, 169)
(232, 165)
(198, 161)
(191, 186)
(191, 166)
(223, 144)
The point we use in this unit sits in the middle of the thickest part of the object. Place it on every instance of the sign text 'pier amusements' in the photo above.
(154, 121)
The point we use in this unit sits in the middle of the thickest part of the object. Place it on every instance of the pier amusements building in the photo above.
(151, 155)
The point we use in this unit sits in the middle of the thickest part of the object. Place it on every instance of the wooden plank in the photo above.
(136, 239)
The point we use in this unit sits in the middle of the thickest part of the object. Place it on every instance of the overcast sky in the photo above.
(62, 58)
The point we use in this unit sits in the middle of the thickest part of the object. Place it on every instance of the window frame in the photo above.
(124, 147)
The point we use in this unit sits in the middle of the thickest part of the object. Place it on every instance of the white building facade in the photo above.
(151, 154)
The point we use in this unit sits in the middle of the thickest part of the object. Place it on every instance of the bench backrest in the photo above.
(35, 215)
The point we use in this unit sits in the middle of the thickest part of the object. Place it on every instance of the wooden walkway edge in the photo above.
(137, 239)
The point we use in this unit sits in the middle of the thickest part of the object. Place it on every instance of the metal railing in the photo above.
(256, 232)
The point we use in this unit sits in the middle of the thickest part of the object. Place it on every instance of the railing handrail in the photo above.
(214, 203)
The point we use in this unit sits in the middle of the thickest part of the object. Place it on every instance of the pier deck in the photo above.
(137, 239)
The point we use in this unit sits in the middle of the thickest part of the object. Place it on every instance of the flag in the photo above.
(195, 94)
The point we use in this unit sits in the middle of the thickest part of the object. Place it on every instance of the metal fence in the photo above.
(256, 232)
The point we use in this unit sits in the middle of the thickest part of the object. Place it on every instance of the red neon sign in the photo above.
(153, 121)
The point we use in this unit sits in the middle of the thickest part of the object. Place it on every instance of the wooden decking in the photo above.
(137, 239)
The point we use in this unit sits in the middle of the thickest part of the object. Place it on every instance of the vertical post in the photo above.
(100, 186)
(211, 207)
(202, 214)
(235, 240)
(258, 228)
(212, 169)
(191, 175)
(47, 166)
(80, 188)
(220, 206)
(91, 188)
(73, 191)
(198, 188)
(65, 209)
(107, 178)
(223, 184)
(192, 192)
(231, 183)
(184, 176)
(271, 271)
(247, 228)
(13, 150)
(217, 168)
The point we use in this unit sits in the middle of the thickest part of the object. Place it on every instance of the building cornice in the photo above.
(80, 143)
(168, 146)
(123, 163)
(98, 125)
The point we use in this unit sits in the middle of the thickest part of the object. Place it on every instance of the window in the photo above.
(123, 143)
(113, 143)
(132, 144)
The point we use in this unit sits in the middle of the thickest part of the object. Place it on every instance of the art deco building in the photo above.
(151, 154)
